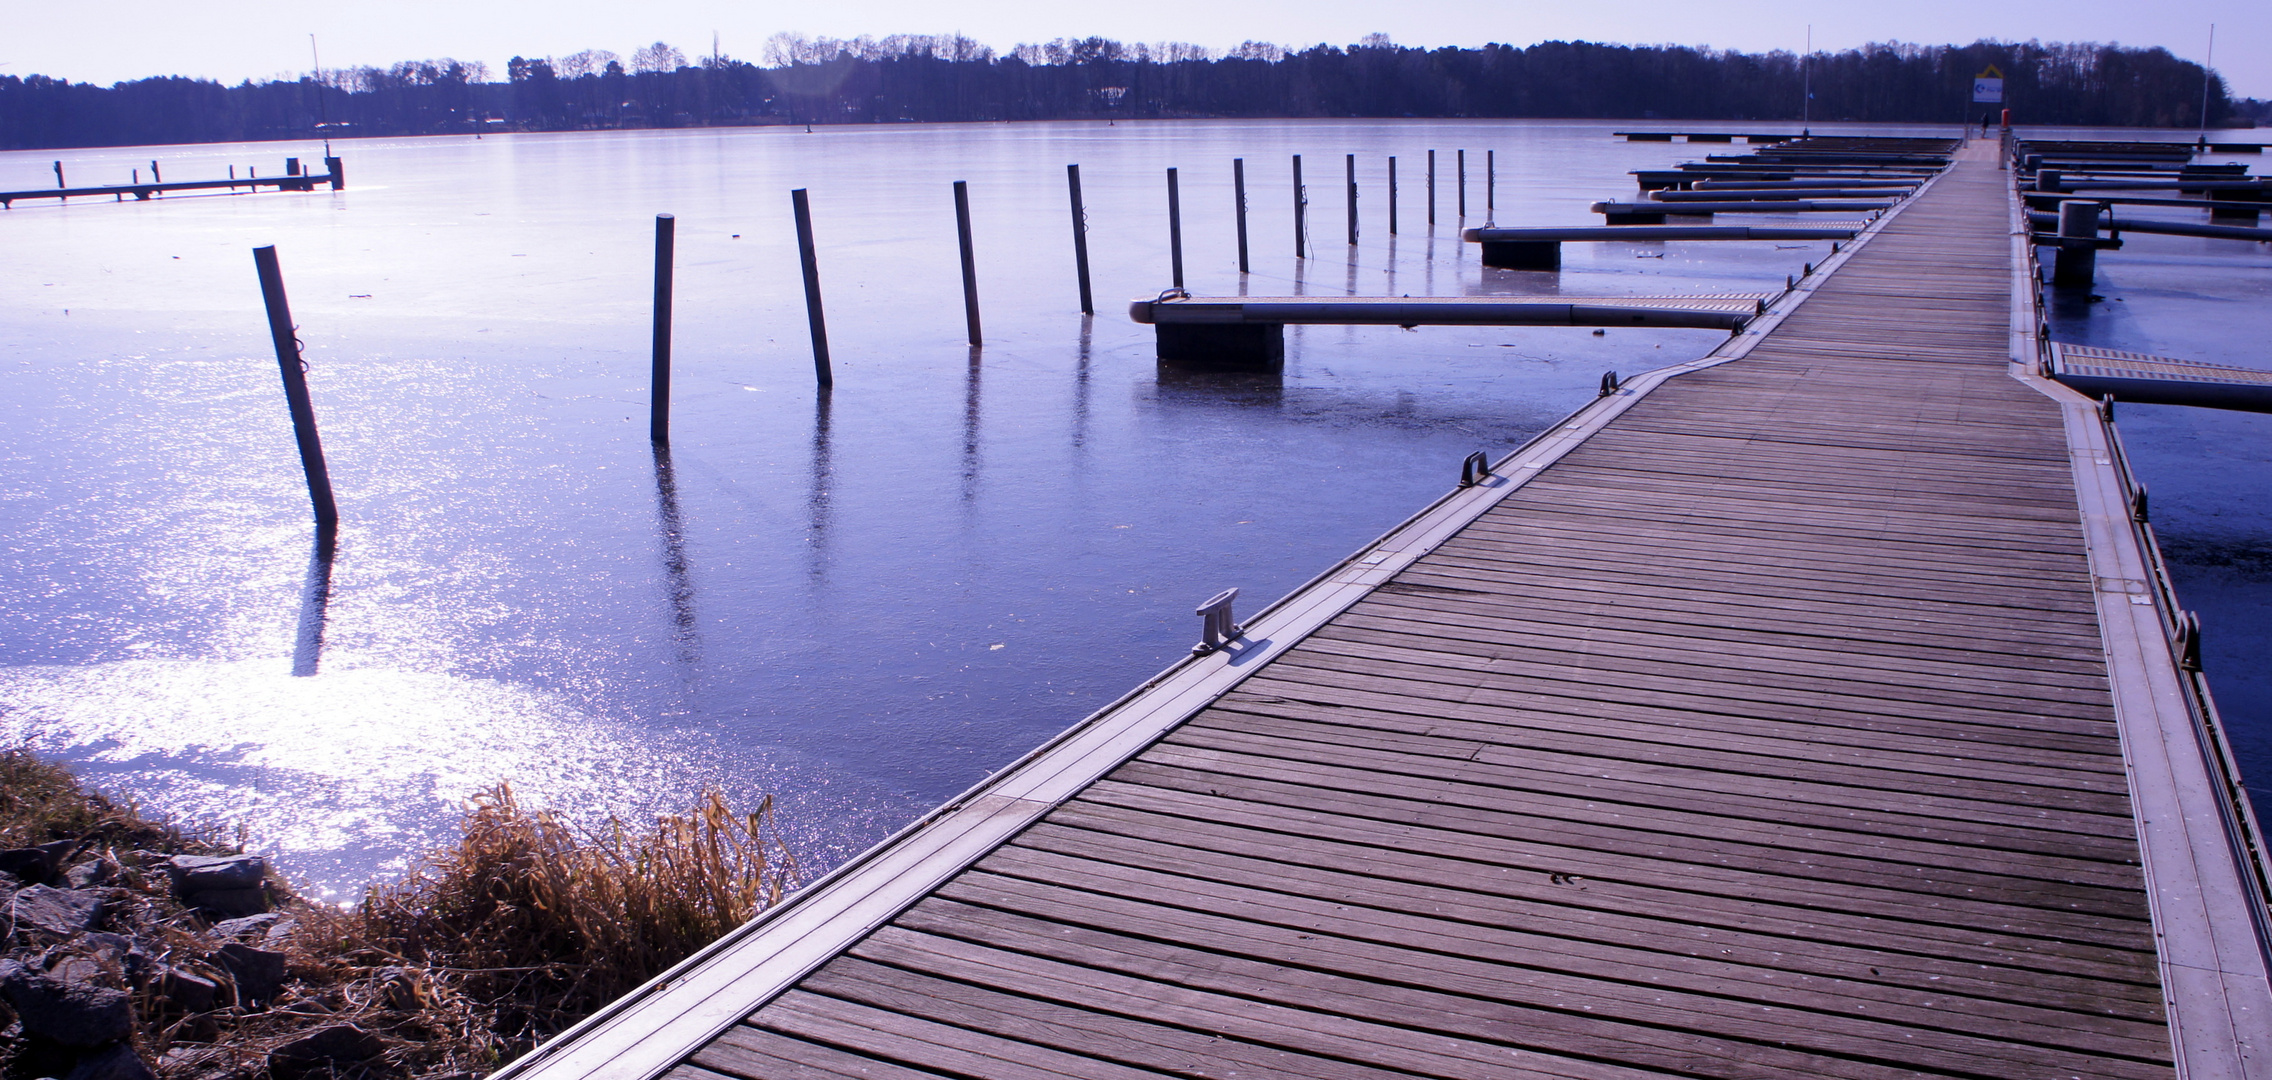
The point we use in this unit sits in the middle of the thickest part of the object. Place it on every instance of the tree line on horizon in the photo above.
(920, 78)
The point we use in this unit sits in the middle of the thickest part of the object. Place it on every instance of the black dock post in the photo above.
(1462, 185)
(1392, 194)
(1080, 237)
(295, 371)
(2077, 260)
(1490, 187)
(969, 263)
(291, 166)
(338, 176)
(659, 396)
(59, 175)
(1431, 187)
(1352, 200)
(1238, 188)
(813, 317)
(1301, 202)
(1175, 232)
(156, 177)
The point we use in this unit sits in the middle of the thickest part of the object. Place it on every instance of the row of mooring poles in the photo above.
(294, 368)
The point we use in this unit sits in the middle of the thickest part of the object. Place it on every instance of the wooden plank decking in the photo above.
(1765, 733)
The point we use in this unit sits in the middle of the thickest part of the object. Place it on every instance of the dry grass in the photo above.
(522, 928)
(42, 802)
(541, 924)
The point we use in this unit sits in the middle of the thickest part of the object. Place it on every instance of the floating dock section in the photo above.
(1813, 709)
(2159, 380)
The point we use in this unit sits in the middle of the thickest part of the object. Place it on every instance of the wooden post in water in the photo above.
(295, 371)
(1238, 189)
(1080, 237)
(1462, 184)
(969, 263)
(1431, 188)
(813, 317)
(1175, 232)
(59, 175)
(156, 177)
(1392, 194)
(659, 393)
(1490, 187)
(1301, 203)
(1352, 200)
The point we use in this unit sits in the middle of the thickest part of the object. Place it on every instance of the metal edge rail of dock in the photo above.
(2087, 898)
(335, 175)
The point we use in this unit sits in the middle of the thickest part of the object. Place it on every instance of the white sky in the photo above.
(231, 41)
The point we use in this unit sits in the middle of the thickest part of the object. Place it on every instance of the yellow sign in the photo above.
(1993, 72)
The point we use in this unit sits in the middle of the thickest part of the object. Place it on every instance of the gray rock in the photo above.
(257, 973)
(118, 1062)
(322, 1048)
(248, 927)
(204, 873)
(229, 903)
(62, 912)
(88, 874)
(185, 991)
(76, 1003)
(35, 863)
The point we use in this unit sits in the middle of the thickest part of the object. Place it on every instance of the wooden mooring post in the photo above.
(1301, 204)
(1462, 184)
(1431, 187)
(969, 264)
(811, 263)
(1238, 191)
(294, 368)
(1175, 232)
(1392, 194)
(659, 393)
(1080, 237)
(1352, 200)
(1490, 187)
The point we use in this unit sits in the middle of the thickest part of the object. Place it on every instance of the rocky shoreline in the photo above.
(99, 940)
(133, 950)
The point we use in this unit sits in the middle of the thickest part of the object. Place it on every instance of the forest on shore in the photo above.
(918, 78)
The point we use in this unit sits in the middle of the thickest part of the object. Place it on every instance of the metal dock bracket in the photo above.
(1218, 629)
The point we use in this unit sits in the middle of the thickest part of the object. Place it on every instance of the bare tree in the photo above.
(657, 57)
(588, 62)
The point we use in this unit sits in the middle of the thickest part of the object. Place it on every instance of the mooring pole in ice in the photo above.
(1080, 237)
(1490, 187)
(659, 397)
(1175, 232)
(1431, 188)
(295, 370)
(811, 262)
(1301, 204)
(1392, 194)
(969, 263)
(1462, 183)
(1238, 190)
(1352, 200)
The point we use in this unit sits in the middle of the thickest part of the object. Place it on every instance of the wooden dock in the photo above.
(1808, 710)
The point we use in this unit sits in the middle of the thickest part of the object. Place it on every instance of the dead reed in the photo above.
(543, 923)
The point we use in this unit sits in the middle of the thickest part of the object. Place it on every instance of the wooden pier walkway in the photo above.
(1780, 716)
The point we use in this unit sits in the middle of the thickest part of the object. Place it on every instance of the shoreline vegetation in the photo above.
(134, 947)
(951, 78)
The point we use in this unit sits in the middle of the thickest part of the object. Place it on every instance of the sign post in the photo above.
(1988, 89)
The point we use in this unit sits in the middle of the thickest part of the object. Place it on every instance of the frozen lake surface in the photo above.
(860, 602)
